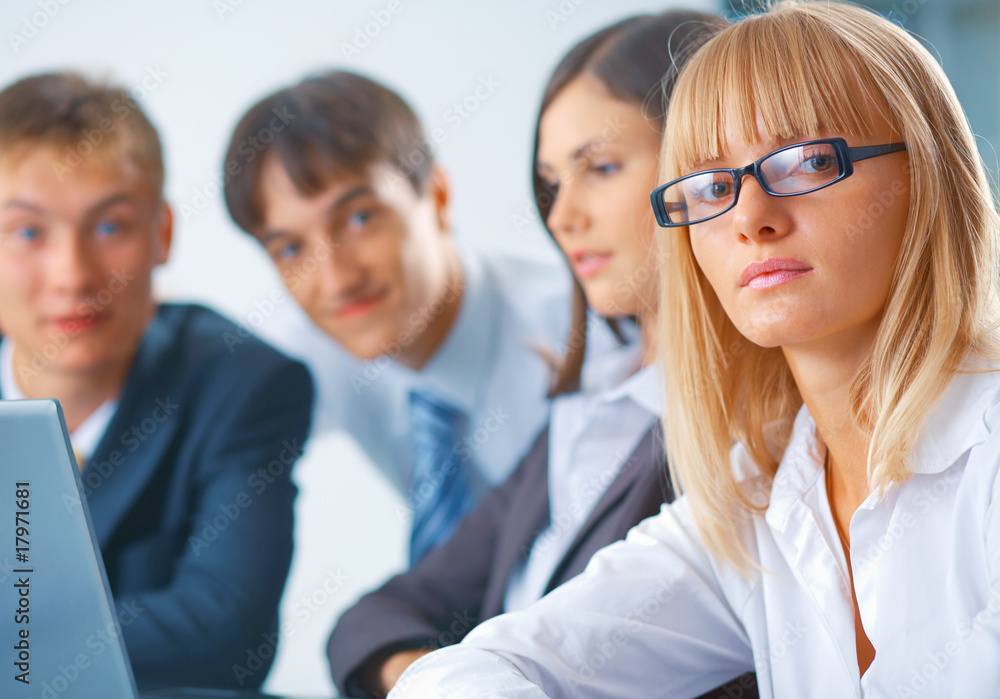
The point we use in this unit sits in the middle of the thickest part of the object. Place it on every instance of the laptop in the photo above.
(59, 634)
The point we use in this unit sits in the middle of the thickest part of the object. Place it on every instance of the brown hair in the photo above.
(79, 119)
(636, 60)
(327, 125)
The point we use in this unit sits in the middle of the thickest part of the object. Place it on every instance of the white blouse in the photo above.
(656, 615)
(592, 434)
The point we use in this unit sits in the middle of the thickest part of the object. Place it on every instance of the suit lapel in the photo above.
(519, 531)
(141, 430)
(532, 504)
(647, 455)
(125, 460)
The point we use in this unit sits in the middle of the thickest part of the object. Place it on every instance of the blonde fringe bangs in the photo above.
(761, 67)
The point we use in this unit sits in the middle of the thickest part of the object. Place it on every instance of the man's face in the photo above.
(368, 259)
(76, 258)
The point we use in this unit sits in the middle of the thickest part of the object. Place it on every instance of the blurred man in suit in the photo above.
(185, 447)
(424, 351)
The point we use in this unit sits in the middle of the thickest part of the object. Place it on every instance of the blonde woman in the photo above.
(829, 319)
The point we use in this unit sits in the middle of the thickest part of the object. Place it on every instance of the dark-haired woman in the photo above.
(598, 469)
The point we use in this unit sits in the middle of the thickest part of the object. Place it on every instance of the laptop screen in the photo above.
(59, 632)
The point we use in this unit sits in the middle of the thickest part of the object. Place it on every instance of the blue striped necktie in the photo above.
(439, 489)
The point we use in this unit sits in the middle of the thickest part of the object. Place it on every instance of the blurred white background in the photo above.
(197, 65)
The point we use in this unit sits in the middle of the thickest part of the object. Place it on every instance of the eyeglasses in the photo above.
(787, 172)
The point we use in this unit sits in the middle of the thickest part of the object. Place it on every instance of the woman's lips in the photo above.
(588, 263)
(772, 272)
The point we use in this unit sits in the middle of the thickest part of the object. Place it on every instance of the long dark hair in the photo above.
(637, 61)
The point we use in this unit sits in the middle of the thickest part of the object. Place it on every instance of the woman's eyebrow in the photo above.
(584, 150)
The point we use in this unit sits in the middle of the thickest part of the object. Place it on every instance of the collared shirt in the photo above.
(488, 367)
(592, 433)
(88, 433)
(656, 615)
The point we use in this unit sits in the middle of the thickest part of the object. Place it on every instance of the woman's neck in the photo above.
(824, 377)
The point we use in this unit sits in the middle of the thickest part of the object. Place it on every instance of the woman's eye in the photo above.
(605, 168)
(287, 251)
(818, 162)
(815, 162)
(720, 189)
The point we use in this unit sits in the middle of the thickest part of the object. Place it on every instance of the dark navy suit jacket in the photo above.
(191, 499)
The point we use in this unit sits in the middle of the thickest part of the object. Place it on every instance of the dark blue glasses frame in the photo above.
(846, 157)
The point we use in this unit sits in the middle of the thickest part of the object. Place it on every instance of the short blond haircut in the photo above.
(82, 121)
(809, 68)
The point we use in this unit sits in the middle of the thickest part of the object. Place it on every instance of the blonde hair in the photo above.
(808, 68)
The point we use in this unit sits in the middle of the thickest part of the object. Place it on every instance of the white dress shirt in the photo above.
(656, 615)
(488, 368)
(88, 434)
(592, 433)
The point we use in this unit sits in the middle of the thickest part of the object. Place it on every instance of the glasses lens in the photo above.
(801, 168)
(699, 196)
